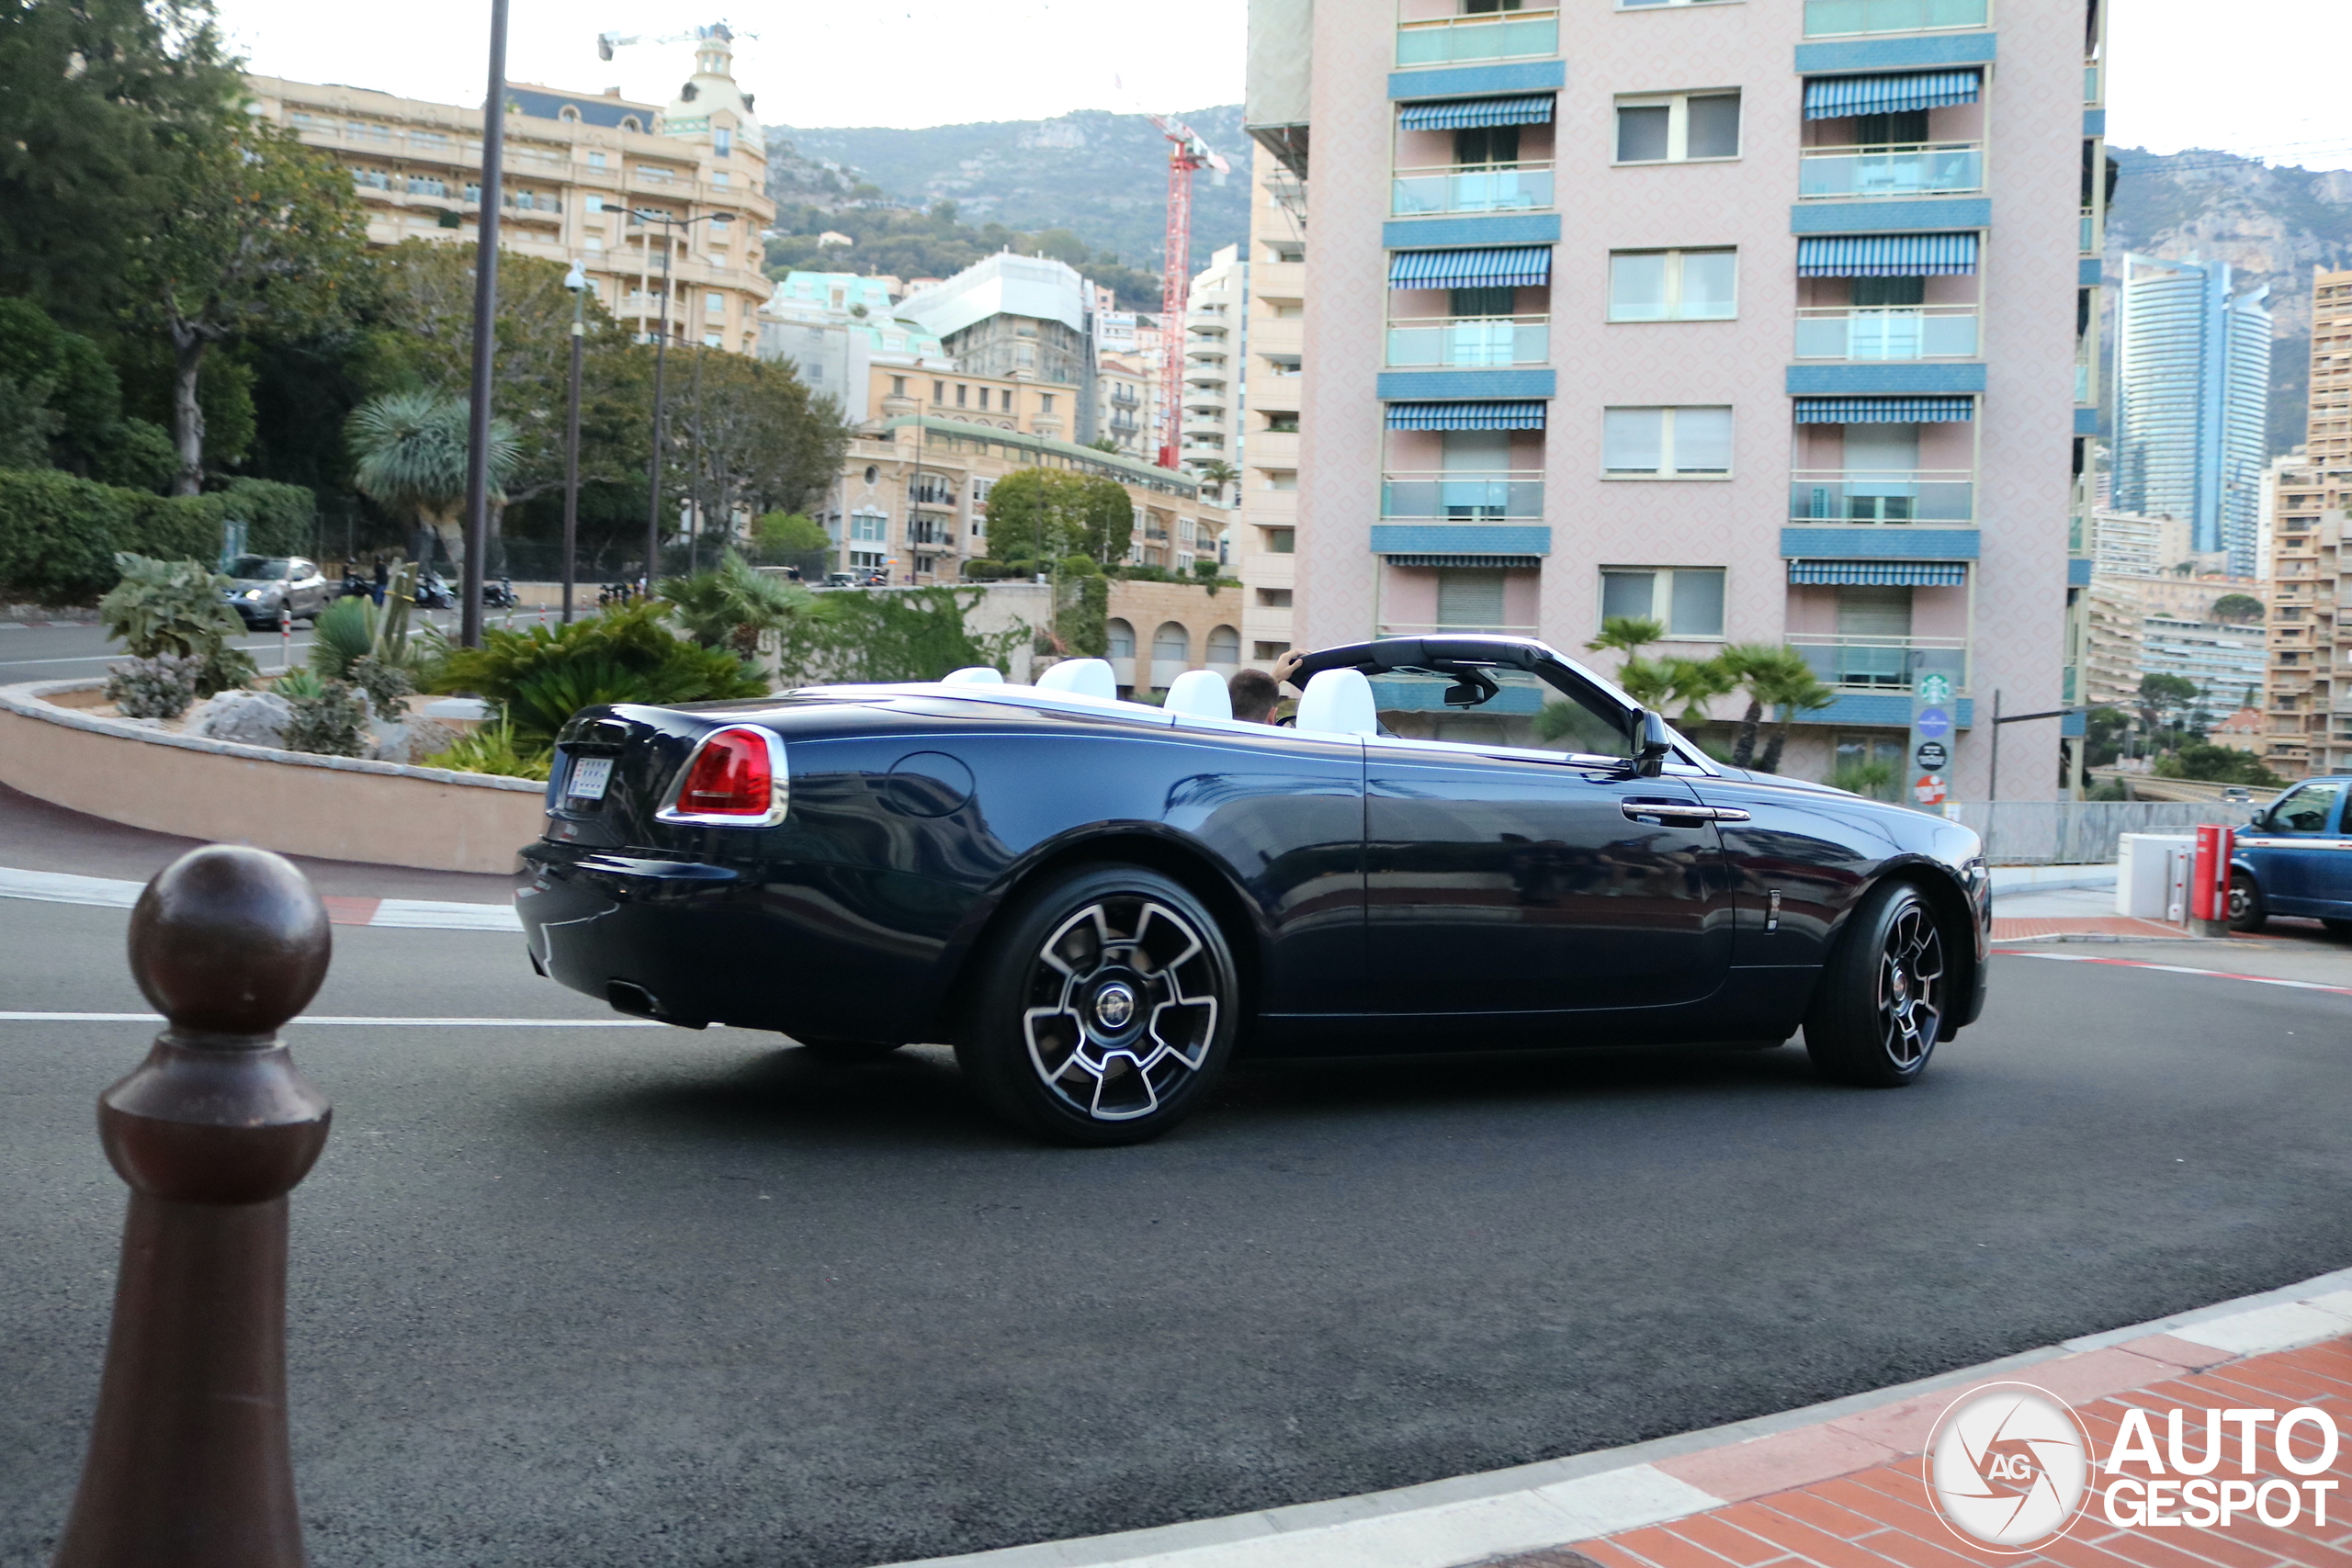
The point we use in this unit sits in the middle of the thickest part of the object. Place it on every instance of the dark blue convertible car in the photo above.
(1461, 843)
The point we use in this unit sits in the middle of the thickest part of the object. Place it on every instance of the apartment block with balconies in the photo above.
(2307, 695)
(1273, 382)
(1758, 320)
(583, 174)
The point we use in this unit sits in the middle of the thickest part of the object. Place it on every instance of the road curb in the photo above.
(1464, 1519)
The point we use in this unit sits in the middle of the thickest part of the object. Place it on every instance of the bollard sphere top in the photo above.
(228, 940)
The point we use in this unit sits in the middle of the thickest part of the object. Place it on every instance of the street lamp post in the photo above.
(493, 155)
(577, 281)
(661, 347)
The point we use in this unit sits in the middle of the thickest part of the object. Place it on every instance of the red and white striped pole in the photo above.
(2208, 878)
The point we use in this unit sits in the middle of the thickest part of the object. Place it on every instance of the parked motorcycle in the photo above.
(433, 593)
(501, 594)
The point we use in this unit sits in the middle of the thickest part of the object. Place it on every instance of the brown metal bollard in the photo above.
(188, 1462)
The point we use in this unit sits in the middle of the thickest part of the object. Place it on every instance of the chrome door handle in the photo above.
(1691, 811)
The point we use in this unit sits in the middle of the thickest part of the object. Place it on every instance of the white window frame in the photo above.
(1662, 588)
(1678, 126)
(1666, 445)
(867, 527)
(1674, 256)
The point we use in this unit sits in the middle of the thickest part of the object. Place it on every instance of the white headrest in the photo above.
(976, 675)
(1339, 702)
(1200, 693)
(1081, 677)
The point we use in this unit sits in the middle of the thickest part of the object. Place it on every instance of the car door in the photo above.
(1505, 878)
(2293, 847)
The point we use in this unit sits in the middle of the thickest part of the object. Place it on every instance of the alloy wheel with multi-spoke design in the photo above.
(1123, 1008)
(1911, 986)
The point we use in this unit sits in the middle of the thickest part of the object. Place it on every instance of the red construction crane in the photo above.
(1186, 153)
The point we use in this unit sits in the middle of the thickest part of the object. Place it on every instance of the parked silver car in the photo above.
(269, 591)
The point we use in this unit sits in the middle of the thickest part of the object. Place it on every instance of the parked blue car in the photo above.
(2295, 858)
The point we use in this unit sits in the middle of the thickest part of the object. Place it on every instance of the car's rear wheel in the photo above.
(1883, 996)
(1105, 1008)
(2246, 911)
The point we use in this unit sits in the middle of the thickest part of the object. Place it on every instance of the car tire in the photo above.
(847, 1052)
(1105, 1010)
(1884, 995)
(2247, 912)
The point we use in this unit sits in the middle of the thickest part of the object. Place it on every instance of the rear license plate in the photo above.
(589, 777)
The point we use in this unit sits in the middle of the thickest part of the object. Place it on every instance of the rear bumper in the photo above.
(822, 952)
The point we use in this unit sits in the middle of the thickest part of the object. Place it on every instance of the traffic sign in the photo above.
(1932, 723)
(1933, 755)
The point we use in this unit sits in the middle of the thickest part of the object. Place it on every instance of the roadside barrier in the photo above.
(188, 1462)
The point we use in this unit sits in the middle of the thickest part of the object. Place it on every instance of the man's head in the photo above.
(1253, 693)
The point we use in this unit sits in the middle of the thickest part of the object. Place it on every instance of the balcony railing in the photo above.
(1471, 187)
(1890, 169)
(1470, 340)
(2091, 84)
(1900, 332)
(2083, 393)
(1508, 35)
(1462, 495)
(1872, 663)
(2088, 241)
(1831, 18)
(1939, 496)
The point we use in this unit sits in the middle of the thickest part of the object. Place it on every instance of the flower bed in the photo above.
(333, 808)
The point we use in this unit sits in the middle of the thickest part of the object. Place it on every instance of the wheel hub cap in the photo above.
(1123, 1008)
(1911, 987)
(1115, 1007)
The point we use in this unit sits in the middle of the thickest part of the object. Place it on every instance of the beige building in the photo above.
(2139, 546)
(1216, 332)
(1268, 536)
(580, 168)
(1158, 630)
(912, 499)
(2307, 697)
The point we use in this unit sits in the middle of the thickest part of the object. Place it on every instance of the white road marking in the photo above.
(356, 1022)
(414, 914)
(2176, 969)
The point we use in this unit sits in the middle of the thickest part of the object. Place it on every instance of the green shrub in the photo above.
(1873, 778)
(538, 678)
(160, 686)
(334, 723)
(298, 683)
(167, 607)
(914, 634)
(344, 634)
(60, 536)
(491, 750)
(981, 570)
(386, 683)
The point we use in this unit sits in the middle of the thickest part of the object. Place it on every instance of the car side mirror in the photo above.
(1656, 746)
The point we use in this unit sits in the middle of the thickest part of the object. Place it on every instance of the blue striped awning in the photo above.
(1879, 573)
(1512, 266)
(1466, 416)
(1468, 114)
(1834, 97)
(1886, 256)
(1885, 410)
(1522, 562)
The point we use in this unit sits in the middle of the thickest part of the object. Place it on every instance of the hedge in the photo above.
(59, 534)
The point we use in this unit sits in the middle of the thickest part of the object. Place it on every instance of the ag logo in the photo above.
(2008, 1468)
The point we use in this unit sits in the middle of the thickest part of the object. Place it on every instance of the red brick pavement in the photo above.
(1859, 1507)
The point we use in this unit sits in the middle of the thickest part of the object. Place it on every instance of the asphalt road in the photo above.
(73, 652)
(584, 1297)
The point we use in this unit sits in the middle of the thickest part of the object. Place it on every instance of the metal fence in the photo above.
(2082, 832)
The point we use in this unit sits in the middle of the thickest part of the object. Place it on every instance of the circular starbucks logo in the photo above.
(2009, 1467)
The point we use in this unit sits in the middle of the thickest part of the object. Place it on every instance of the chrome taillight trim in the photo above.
(779, 786)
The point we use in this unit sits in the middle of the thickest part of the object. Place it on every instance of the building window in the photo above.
(897, 386)
(960, 390)
(1046, 400)
(1281, 424)
(596, 241)
(1469, 599)
(1666, 442)
(720, 177)
(1282, 541)
(630, 122)
(1673, 286)
(1122, 637)
(568, 115)
(713, 305)
(711, 340)
(1687, 601)
(1677, 128)
(1225, 646)
(722, 142)
(939, 391)
(1273, 598)
(868, 527)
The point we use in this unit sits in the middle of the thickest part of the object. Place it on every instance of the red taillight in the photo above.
(732, 775)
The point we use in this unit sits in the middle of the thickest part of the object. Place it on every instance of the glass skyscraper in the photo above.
(2192, 398)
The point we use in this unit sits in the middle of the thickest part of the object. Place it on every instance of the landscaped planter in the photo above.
(331, 807)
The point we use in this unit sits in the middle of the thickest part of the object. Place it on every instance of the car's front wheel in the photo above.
(1105, 1008)
(1883, 996)
(2246, 911)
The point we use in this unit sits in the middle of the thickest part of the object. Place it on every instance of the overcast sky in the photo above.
(2263, 77)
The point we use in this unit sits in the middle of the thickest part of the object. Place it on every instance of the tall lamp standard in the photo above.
(493, 156)
(661, 349)
(577, 281)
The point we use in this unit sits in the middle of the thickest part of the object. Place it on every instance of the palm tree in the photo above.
(1758, 668)
(1216, 473)
(734, 606)
(1628, 633)
(410, 451)
(1695, 682)
(1799, 691)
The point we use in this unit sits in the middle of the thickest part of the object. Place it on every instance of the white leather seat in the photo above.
(1082, 678)
(975, 675)
(1339, 702)
(1201, 693)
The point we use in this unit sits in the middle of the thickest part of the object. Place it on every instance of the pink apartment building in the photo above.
(1773, 321)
